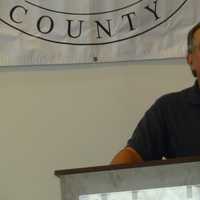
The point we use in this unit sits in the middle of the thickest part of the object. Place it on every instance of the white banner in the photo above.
(37, 32)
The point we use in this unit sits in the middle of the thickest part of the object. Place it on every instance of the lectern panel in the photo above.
(176, 181)
(166, 193)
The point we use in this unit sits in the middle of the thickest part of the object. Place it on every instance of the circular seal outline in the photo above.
(92, 13)
(97, 44)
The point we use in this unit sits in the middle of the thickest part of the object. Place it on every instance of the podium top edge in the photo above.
(180, 160)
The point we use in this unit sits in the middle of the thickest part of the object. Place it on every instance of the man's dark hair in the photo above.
(190, 42)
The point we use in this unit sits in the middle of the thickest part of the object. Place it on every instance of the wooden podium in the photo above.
(174, 179)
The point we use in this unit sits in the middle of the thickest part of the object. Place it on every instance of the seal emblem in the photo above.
(89, 22)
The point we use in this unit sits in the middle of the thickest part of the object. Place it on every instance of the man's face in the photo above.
(193, 58)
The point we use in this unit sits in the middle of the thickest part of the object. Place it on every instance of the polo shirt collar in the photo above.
(194, 94)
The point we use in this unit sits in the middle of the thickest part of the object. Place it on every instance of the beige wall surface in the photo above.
(73, 116)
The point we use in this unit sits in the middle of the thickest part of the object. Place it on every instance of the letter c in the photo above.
(12, 13)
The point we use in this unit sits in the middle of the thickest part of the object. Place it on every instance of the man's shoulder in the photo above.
(174, 98)
(174, 95)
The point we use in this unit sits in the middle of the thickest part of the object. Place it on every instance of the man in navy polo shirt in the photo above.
(171, 127)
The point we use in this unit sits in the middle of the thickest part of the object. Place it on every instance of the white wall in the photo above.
(73, 116)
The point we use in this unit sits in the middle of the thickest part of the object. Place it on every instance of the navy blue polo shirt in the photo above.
(171, 127)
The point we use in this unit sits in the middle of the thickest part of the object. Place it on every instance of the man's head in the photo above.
(193, 55)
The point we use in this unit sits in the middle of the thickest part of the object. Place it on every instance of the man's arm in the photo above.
(127, 156)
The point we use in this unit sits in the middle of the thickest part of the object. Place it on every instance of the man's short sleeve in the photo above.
(148, 139)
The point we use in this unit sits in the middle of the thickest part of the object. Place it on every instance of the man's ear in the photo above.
(189, 59)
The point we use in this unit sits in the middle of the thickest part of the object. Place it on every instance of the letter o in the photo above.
(50, 27)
